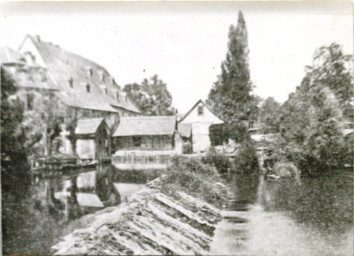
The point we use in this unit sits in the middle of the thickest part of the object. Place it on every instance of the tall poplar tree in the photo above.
(230, 96)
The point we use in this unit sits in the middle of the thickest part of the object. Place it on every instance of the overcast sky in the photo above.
(185, 43)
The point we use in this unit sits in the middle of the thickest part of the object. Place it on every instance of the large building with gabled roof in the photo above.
(82, 83)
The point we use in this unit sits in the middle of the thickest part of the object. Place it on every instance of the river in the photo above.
(53, 206)
(266, 217)
(282, 217)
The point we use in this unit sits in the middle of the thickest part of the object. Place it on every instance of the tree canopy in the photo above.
(312, 120)
(269, 115)
(151, 97)
(230, 96)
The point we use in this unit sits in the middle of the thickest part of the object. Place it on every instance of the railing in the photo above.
(52, 163)
(133, 160)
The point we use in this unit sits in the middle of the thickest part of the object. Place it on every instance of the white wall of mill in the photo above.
(200, 127)
(85, 148)
(207, 117)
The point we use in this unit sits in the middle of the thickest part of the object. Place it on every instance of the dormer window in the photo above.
(89, 72)
(30, 58)
(200, 110)
(43, 77)
(71, 82)
(104, 88)
(88, 88)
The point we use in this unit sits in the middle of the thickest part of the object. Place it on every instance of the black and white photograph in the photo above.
(177, 128)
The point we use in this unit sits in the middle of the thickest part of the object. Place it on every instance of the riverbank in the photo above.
(176, 214)
(149, 223)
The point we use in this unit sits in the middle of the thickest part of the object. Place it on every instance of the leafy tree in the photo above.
(151, 97)
(230, 96)
(12, 136)
(311, 120)
(269, 115)
(246, 159)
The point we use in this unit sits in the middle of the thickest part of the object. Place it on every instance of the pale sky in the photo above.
(185, 43)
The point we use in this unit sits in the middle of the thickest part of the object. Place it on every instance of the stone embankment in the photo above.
(149, 223)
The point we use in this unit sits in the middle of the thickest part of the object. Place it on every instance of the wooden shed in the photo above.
(145, 133)
(92, 138)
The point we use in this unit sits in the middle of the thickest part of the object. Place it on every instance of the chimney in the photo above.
(38, 38)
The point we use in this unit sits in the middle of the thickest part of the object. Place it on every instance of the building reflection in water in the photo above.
(81, 194)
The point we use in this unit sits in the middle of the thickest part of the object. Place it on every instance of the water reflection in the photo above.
(283, 217)
(52, 206)
(74, 196)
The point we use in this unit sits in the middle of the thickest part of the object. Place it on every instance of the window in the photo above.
(88, 88)
(200, 110)
(137, 141)
(71, 82)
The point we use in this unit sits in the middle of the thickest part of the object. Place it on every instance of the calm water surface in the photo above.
(282, 217)
(53, 206)
(266, 217)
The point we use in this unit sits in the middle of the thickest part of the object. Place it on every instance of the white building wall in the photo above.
(85, 148)
(200, 136)
(200, 127)
(207, 117)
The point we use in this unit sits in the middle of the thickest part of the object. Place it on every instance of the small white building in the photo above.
(92, 138)
(195, 123)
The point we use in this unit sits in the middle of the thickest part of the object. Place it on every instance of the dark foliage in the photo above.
(220, 161)
(151, 97)
(312, 120)
(192, 176)
(246, 159)
(230, 97)
(221, 133)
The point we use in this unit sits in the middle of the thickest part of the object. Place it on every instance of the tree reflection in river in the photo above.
(314, 217)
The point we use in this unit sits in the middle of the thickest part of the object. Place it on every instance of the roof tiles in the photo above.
(147, 125)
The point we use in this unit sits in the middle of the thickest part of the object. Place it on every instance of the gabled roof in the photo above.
(185, 130)
(65, 66)
(194, 106)
(25, 75)
(146, 125)
(88, 126)
(10, 56)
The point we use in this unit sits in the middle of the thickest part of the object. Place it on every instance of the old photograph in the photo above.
(177, 128)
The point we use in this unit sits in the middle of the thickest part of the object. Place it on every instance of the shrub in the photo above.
(192, 176)
(246, 160)
(286, 170)
(218, 133)
(220, 161)
(187, 148)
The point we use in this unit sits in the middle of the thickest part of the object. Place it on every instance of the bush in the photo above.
(246, 159)
(187, 148)
(286, 170)
(218, 133)
(220, 161)
(192, 176)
